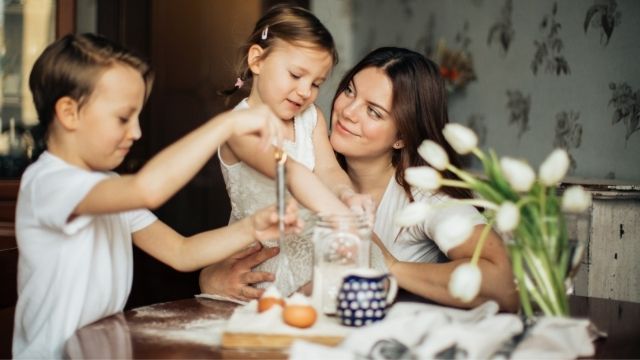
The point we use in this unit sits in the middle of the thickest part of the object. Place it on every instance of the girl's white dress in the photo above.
(250, 191)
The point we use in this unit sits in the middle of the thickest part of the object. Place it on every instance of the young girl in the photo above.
(285, 60)
(75, 220)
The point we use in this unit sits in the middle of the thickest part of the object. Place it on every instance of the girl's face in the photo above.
(362, 125)
(108, 123)
(288, 77)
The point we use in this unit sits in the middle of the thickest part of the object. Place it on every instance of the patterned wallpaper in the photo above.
(562, 73)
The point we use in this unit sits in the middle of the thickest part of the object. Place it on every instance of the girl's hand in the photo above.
(259, 120)
(265, 222)
(359, 203)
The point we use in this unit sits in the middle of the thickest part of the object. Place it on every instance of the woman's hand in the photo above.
(233, 277)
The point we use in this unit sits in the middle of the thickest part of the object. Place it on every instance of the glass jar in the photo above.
(341, 243)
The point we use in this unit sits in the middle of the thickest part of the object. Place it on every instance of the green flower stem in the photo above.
(477, 202)
(552, 291)
(463, 175)
(477, 152)
(518, 271)
(525, 200)
(542, 222)
(480, 244)
(533, 290)
(455, 183)
(538, 272)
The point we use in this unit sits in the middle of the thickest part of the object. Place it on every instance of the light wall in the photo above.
(573, 109)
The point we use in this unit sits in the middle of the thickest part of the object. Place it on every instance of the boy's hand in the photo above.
(265, 222)
(260, 120)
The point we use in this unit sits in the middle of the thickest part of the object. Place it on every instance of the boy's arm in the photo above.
(305, 186)
(173, 167)
(197, 251)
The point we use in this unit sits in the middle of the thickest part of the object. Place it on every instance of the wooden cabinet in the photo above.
(610, 268)
(8, 263)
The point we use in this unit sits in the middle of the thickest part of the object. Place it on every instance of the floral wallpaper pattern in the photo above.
(549, 72)
(626, 103)
(603, 15)
(549, 46)
(502, 30)
(568, 134)
(519, 107)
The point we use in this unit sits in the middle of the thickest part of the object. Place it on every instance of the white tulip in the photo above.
(424, 177)
(465, 282)
(434, 154)
(518, 173)
(507, 217)
(554, 167)
(461, 138)
(452, 231)
(575, 199)
(415, 213)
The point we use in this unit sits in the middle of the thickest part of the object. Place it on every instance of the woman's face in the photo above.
(362, 125)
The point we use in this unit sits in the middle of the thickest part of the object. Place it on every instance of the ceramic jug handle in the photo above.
(393, 289)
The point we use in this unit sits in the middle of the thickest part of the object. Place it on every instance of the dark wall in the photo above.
(192, 46)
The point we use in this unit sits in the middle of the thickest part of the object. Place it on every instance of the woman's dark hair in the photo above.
(292, 24)
(71, 66)
(419, 107)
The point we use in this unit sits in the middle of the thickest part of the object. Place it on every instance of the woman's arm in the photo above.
(431, 280)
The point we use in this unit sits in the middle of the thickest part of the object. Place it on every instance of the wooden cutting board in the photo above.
(275, 341)
(246, 328)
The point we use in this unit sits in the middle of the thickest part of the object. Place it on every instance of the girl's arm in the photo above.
(431, 280)
(330, 172)
(305, 186)
(197, 251)
(173, 167)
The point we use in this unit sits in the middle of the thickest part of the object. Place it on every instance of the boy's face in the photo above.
(288, 78)
(108, 122)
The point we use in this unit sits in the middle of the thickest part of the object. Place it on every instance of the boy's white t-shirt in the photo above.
(70, 273)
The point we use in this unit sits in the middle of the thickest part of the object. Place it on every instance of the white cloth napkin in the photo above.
(556, 338)
(414, 330)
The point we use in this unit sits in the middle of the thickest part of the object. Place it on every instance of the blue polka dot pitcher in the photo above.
(364, 296)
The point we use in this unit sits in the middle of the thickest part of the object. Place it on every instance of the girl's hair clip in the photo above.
(239, 83)
(265, 32)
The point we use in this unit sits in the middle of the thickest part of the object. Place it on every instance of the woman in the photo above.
(383, 109)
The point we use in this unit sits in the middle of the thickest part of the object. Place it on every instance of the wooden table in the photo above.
(186, 329)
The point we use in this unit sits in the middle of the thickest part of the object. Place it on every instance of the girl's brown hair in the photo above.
(71, 66)
(287, 23)
(419, 107)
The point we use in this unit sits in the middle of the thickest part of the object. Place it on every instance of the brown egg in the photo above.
(266, 303)
(301, 316)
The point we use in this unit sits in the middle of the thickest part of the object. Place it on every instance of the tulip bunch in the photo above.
(523, 207)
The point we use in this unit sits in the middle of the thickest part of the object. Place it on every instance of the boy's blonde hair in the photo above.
(291, 24)
(71, 66)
